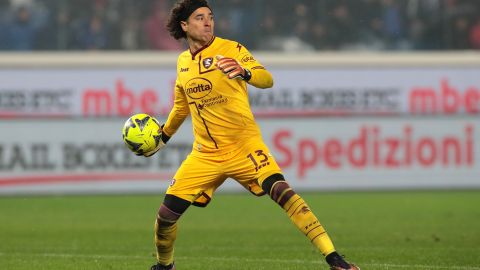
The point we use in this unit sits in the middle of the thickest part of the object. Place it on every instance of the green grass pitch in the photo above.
(377, 230)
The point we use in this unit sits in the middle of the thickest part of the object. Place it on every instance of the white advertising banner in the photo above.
(85, 92)
(105, 92)
(88, 155)
(370, 91)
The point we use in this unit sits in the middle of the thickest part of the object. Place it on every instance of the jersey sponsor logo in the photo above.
(208, 102)
(183, 69)
(207, 62)
(198, 88)
(247, 58)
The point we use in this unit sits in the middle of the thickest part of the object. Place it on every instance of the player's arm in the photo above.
(177, 115)
(245, 67)
(179, 112)
(260, 78)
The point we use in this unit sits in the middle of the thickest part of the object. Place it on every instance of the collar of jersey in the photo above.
(202, 48)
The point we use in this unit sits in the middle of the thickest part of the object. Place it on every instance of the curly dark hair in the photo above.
(180, 12)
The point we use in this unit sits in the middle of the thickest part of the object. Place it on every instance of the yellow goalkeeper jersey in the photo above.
(219, 107)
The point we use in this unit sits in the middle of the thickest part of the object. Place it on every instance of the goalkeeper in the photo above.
(211, 86)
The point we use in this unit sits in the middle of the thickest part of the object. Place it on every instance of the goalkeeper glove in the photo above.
(232, 68)
(162, 141)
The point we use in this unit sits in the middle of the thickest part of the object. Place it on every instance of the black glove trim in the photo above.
(164, 137)
(248, 75)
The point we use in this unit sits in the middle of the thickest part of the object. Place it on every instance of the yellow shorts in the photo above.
(200, 174)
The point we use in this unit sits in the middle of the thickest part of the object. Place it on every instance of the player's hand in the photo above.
(162, 141)
(232, 68)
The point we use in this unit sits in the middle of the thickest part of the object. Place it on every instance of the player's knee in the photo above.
(166, 216)
(270, 181)
(171, 210)
(278, 189)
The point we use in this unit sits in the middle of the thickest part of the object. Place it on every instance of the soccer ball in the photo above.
(142, 134)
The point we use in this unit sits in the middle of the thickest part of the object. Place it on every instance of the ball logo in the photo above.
(198, 88)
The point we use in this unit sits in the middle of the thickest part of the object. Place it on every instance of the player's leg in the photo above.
(256, 165)
(169, 212)
(194, 183)
(305, 220)
(298, 211)
(256, 169)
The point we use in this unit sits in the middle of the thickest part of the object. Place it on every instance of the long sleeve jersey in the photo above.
(219, 107)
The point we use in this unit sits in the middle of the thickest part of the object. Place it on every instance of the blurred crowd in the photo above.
(301, 25)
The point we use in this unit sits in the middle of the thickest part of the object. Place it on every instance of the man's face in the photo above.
(199, 26)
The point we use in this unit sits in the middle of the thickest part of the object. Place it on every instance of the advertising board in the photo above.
(88, 155)
(111, 92)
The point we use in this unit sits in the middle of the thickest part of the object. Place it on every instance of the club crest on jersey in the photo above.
(207, 62)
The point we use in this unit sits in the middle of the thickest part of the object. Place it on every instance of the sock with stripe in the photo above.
(301, 215)
(165, 235)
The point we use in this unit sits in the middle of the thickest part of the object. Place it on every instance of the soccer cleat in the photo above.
(337, 262)
(159, 266)
(351, 267)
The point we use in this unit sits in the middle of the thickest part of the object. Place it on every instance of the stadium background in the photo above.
(376, 105)
(368, 94)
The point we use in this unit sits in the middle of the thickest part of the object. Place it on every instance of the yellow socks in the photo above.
(307, 222)
(165, 235)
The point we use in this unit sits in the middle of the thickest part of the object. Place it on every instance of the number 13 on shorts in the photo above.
(259, 159)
